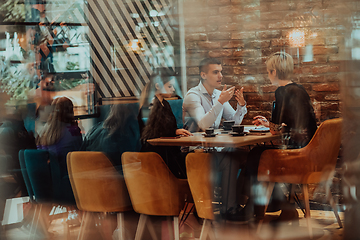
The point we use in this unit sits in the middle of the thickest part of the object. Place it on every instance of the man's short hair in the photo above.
(204, 64)
(283, 63)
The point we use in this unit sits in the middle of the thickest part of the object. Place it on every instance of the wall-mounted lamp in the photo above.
(133, 45)
(297, 38)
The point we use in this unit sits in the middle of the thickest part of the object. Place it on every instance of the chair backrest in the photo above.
(176, 107)
(38, 170)
(62, 191)
(323, 149)
(96, 184)
(312, 164)
(25, 174)
(153, 189)
(198, 168)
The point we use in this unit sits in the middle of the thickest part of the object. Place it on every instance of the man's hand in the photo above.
(261, 120)
(239, 96)
(183, 132)
(226, 94)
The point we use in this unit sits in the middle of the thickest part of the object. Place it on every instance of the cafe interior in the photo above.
(101, 65)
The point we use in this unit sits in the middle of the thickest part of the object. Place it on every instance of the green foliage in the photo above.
(15, 83)
(65, 84)
(19, 83)
(14, 11)
(72, 66)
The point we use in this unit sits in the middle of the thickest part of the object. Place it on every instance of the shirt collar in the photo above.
(204, 91)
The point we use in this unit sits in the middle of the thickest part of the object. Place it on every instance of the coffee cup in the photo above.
(209, 131)
(238, 128)
(228, 124)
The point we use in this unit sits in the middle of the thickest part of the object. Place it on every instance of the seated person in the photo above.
(13, 138)
(118, 133)
(162, 123)
(206, 105)
(61, 133)
(292, 114)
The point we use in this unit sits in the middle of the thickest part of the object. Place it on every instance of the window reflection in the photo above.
(97, 52)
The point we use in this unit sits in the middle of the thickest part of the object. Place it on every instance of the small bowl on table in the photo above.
(209, 132)
(237, 130)
(227, 125)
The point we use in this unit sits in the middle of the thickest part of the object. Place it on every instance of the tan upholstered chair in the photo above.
(97, 187)
(198, 169)
(153, 189)
(312, 164)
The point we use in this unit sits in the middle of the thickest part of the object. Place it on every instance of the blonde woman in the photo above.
(293, 115)
(292, 108)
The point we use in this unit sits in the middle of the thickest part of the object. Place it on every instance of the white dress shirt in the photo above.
(207, 111)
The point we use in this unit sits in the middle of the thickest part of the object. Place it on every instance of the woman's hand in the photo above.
(261, 120)
(183, 132)
(276, 128)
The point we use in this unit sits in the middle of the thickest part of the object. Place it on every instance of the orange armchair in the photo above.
(312, 164)
(198, 169)
(153, 189)
(97, 187)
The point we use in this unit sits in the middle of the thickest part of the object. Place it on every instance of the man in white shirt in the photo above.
(204, 106)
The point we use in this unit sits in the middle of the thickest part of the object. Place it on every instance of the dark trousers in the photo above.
(227, 164)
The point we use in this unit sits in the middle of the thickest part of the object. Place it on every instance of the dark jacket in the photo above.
(293, 107)
(162, 123)
(13, 138)
(126, 138)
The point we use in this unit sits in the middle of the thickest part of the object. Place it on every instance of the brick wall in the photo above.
(242, 33)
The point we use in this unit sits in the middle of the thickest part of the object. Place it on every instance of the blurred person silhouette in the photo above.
(50, 88)
(293, 116)
(13, 138)
(162, 122)
(61, 133)
(118, 133)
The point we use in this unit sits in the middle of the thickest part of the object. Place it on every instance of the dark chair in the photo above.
(25, 175)
(45, 186)
(61, 186)
(176, 107)
(37, 173)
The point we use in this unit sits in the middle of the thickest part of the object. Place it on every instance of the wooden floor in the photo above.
(324, 226)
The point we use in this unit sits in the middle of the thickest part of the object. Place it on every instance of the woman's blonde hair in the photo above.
(62, 113)
(283, 63)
